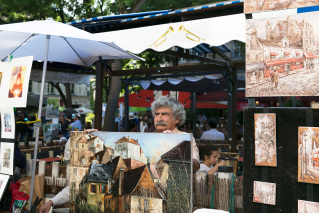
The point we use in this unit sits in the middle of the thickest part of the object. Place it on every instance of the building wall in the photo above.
(143, 204)
(178, 183)
(129, 150)
(98, 197)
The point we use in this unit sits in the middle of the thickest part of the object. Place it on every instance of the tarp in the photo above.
(188, 34)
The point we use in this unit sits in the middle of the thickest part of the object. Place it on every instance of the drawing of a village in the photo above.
(264, 192)
(307, 207)
(130, 172)
(252, 6)
(308, 154)
(282, 56)
(265, 140)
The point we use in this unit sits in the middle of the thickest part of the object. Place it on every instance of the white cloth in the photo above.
(201, 118)
(205, 168)
(67, 150)
(213, 134)
(63, 138)
(143, 127)
(62, 197)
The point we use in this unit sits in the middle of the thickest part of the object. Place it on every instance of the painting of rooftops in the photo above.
(130, 172)
(282, 56)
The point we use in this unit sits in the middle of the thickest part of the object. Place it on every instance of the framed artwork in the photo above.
(307, 206)
(282, 56)
(264, 193)
(14, 87)
(308, 154)
(49, 129)
(53, 105)
(251, 6)
(6, 158)
(7, 123)
(128, 172)
(265, 140)
(4, 179)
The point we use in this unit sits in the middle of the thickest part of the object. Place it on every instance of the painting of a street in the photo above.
(282, 56)
(130, 172)
(264, 193)
(308, 154)
(307, 207)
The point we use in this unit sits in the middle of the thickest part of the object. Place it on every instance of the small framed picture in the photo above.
(6, 158)
(4, 179)
(7, 123)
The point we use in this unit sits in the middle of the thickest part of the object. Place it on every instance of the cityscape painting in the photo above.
(308, 154)
(130, 172)
(282, 56)
(265, 140)
(264, 193)
(307, 207)
(251, 6)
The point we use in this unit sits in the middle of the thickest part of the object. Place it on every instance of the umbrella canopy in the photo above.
(82, 110)
(138, 109)
(67, 44)
(70, 111)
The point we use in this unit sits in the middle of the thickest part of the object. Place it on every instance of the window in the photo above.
(102, 189)
(93, 188)
(84, 161)
(38, 88)
(74, 171)
(72, 88)
(30, 86)
(80, 90)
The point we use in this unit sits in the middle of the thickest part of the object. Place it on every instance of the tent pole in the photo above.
(234, 112)
(38, 124)
(229, 109)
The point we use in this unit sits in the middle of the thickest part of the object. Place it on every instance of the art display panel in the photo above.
(15, 83)
(307, 207)
(282, 56)
(308, 154)
(264, 193)
(53, 105)
(49, 129)
(7, 123)
(6, 158)
(251, 6)
(4, 179)
(130, 172)
(265, 140)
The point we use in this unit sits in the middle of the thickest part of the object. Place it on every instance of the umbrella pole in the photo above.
(38, 124)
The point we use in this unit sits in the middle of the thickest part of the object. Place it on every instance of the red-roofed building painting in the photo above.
(282, 56)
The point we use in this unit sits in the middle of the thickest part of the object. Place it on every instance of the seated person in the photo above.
(61, 136)
(212, 134)
(210, 155)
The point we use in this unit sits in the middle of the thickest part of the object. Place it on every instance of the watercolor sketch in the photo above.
(130, 172)
(53, 108)
(265, 140)
(251, 6)
(264, 193)
(3, 183)
(6, 158)
(16, 83)
(308, 154)
(307, 207)
(7, 122)
(282, 56)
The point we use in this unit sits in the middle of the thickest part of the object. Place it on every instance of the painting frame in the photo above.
(52, 109)
(264, 188)
(7, 123)
(302, 206)
(265, 139)
(14, 90)
(7, 158)
(147, 166)
(4, 179)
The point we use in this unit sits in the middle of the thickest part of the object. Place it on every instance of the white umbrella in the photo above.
(53, 41)
(82, 110)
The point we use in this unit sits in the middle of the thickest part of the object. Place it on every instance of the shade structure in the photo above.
(67, 44)
(82, 110)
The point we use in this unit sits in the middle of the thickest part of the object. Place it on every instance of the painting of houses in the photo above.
(308, 154)
(307, 207)
(282, 56)
(264, 193)
(130, 172)
(251, 6)
(265, 140)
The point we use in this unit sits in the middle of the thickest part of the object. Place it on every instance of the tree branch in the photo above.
(137, 6)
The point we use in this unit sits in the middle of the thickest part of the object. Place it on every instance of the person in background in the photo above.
(77, 126)
(133, 127)
(132, 118)
(209, 156)
(212, 134)
(150, 127)
(21, 128)
(143, 123)
(224, 131)
(183, 128)
(64, 125)
(201, 117)
(61, 136)
(207, 127)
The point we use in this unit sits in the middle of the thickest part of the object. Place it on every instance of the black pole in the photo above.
(294, 102)
(126, 104)
(280, 101)
(234, 112)
(194, 115)
(229, 108)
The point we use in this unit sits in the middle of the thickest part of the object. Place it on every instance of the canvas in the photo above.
(53, 108)
(251, 6)
(50, 131)
(4, 179)
(15, 83)
(282, 56)
(7, 123)
(130, 172)
(6, 158)
(308, 154)
(307, 207)
(265, 140)
(264, 193)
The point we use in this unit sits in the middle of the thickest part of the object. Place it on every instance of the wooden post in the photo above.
(98, 96)
(234, 112)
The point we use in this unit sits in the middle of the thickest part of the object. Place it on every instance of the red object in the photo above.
(316, 161)
(288, 99)
(256, 199)
(50, 159)
(309, 55)
(287, 53)
(298, 53)
(16, 195)
(273, 54)
(282, 61)
(241, 159)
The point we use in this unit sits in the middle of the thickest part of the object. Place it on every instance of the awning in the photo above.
(273, 54)
(204, 49)
(310, 55)
(252, 67)
(187, 34)
(282, 61)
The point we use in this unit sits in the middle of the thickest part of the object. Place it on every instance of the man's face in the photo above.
(164, 119)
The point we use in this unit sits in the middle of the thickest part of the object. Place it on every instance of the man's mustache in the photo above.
(160, 123)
